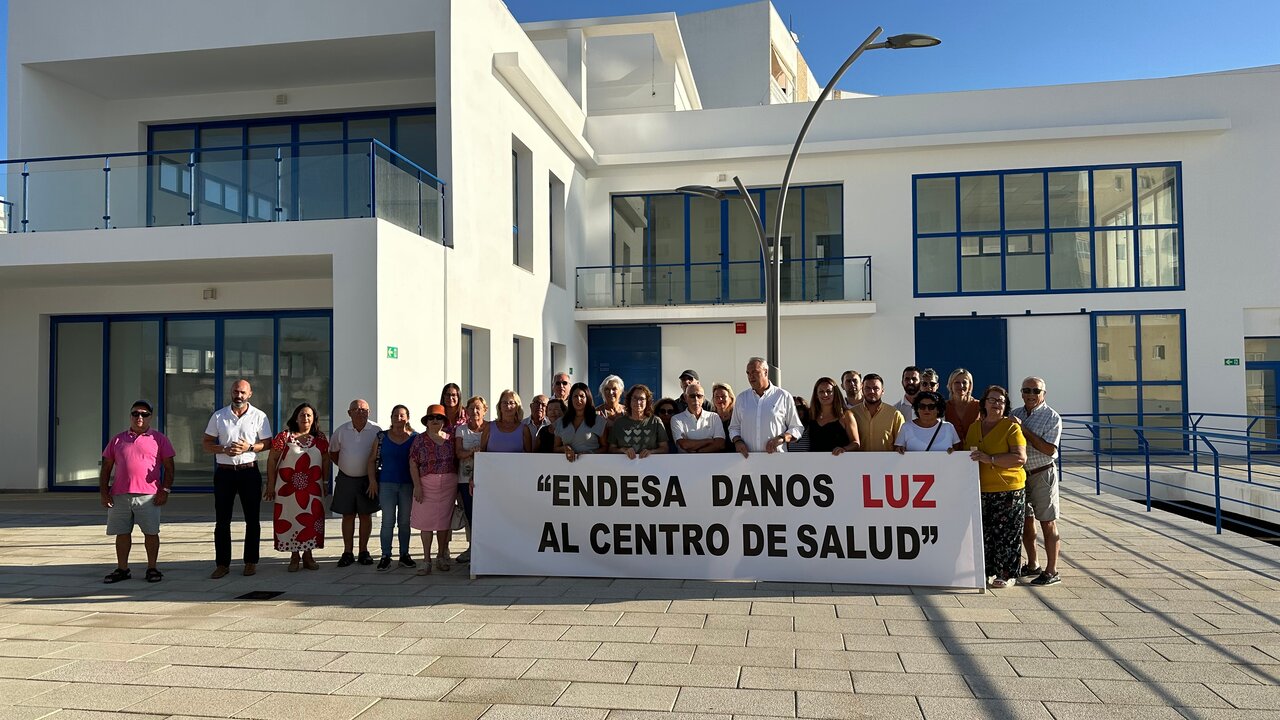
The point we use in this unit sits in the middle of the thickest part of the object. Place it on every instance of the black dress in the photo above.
(825, 438)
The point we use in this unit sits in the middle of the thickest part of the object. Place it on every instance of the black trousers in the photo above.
(227, 485)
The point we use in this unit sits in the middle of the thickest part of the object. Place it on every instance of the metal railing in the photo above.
(716, 283)
(322, 180)
(1231, 468)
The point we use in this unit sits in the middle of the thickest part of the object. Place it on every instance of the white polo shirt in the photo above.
(704, 427)
(354, 447)
(252, 426)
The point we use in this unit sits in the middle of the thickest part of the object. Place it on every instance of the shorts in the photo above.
(129, 509)
(351, 496)
(1042, 494)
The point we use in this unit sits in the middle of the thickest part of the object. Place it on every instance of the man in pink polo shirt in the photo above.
(138, 456)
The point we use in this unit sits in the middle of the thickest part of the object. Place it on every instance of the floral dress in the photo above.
(299, 507)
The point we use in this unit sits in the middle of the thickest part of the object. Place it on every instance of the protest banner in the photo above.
(878, 518)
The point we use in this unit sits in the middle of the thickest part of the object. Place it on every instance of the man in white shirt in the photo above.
(910, 388)
(765, 419)
(697, 430)
(354, 492)
(560, 383)
(236, 434)
(537, 418)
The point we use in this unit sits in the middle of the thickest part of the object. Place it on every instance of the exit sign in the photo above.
(1230, 361)
(393, 352)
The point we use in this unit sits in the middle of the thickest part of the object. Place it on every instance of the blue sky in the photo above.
(986, 44)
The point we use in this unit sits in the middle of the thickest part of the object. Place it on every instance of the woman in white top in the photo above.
(928, 431)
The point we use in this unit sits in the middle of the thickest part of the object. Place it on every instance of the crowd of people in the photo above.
(425, 480)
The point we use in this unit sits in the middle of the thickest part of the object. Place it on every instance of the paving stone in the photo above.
(936, 708)
(766, 702)
(506, 631)
(181, 701)
(600, 633)
(694, 636)
(655, 652)
(529, 712)
(1259, 697)
(548, 649)
(422, 710)
(757, 622)
(921, 684)
(935, 663)
(579, 671)
(844, 706)
(1098, 711)
(465, 667)
(1185, 672)
(848, 660)
(399, 686)
(743, 656)
(1069, 668)
(1043, 689)
(358, 662)
(16, 691)
(811, 640)
(612, 695)
(512, 692)
(289, 706)
(93, 696)
(685, 675)
(796, 679)
(465, 648)
(1122, 692)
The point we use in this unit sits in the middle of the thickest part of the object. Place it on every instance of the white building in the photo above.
(1107, 236)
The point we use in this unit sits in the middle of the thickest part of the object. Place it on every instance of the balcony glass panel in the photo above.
(704, 250)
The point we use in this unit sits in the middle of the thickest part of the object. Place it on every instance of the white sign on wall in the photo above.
(878, 518)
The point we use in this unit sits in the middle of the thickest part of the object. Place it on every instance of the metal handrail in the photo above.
(180, 151)
(1216, 441)
(671, 269)
(195, 159)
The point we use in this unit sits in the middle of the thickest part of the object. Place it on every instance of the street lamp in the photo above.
(773, 260)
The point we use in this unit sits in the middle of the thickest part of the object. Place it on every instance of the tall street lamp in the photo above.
(772, 257)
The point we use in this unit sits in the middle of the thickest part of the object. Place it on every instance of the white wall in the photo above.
(728, 51)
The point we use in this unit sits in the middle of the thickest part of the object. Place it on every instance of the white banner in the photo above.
(878, 518)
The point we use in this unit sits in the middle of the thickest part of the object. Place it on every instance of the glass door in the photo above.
(78, 426)
(1260, 403)
(191, 395)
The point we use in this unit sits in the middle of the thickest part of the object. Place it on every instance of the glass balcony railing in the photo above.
(737, 282)
(209, 186)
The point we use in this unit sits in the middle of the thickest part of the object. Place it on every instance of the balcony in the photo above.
(246, 184)
(838, 280)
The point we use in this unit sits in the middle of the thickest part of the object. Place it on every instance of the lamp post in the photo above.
(772, 256)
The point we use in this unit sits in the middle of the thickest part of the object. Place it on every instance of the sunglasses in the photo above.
(562, 382)
(1031, 391)
(435, 418)
(140, 414)
(666, 411)
(930, 406)
(924, 383)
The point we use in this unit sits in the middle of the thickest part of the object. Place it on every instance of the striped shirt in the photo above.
(1045, 422)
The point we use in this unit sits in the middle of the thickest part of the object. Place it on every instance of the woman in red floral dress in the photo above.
(296, 472)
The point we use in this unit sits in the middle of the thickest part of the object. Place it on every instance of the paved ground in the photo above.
(1157, 617)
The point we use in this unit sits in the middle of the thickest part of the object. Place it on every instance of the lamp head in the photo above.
(702, 191)
(911, 40)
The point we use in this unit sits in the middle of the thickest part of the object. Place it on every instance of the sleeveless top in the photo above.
(395, 459)
(507, 442)
(825, 438)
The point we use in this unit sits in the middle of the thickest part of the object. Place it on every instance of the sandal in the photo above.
(1028, 570)
(425, 569)
(294, 564)
(154, 575)
(117, 575)
(442, 563)
(998, 583)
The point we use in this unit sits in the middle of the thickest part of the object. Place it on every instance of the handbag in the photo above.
(459, 520)
(377, 455)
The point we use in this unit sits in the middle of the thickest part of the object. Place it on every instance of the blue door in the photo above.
(979, 345)
(632, 352)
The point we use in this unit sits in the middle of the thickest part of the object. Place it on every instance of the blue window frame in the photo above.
(1098, 228)
(288, 375)
(677, 249)
(1139, 370)
(243, 197)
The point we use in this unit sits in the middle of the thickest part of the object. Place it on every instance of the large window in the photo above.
(1139, 372)
(184, 366)
(676, 249)
(244, 184)
(1050, 230)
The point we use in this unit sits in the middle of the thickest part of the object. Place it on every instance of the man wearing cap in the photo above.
(236, 434)
(142, 459)
(353, 495)
(687, 378)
